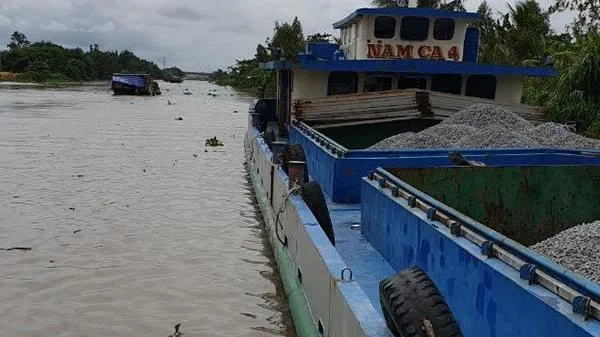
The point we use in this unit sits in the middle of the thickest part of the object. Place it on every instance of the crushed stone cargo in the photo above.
(575, 249)
(483, 126)
(494, 136)
(484, 115)
(558, 136)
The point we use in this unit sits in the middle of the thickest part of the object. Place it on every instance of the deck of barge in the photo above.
(368, 266)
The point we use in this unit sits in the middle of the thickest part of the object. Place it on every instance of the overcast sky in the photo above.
(195, 35)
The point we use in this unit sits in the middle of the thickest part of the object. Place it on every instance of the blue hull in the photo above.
(486, 295)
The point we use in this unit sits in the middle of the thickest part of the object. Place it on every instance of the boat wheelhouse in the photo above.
(402, 48)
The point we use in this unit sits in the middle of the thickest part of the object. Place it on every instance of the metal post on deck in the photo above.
(283, 100)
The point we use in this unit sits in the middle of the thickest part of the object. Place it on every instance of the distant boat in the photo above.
(187, 92)
(134, 84)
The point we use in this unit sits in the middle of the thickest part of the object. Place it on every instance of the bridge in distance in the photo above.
(190, 75)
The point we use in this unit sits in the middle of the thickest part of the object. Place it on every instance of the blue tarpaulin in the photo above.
(134, 80)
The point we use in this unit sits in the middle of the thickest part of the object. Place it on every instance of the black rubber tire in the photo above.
(313, 197)
(293, 152)
(413, 306)
(270, 138)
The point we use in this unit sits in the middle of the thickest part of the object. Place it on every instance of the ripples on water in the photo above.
(130, 232)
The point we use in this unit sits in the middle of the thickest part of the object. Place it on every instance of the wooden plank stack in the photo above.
(394, 105)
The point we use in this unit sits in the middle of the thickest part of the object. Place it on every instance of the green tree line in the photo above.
(45, 61)
(522, 36)
(246, 75)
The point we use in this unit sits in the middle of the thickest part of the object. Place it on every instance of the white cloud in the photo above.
(54, 26)
(191, 34)
(103, 28)
(5, 21)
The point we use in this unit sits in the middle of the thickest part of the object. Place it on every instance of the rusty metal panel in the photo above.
(526, 203)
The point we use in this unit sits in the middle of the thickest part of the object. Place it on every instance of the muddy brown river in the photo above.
(133, 224)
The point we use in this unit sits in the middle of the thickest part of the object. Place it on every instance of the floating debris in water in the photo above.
(22, 249)
(235, 111)
(72, 208)
(76, 231)
(247, 314)
(177, 333)
(179, 118)
(195, 155)
(213, 142)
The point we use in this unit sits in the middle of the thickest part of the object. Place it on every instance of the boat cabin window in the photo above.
(483, 86)
(414, 28)
(377, 83)
(385, 27)
(341, 82)
(412, 83)
(443, 29)
(449, 83)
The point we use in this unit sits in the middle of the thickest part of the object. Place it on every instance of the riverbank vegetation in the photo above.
(45, 61)
(520, 35)
(246, 75)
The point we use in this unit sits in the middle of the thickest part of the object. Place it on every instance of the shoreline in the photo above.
(51, 84)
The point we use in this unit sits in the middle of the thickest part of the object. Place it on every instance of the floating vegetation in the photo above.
(177, 333)
(213, 142)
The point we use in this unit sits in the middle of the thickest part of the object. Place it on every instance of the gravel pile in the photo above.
(424, 141)
(452, 133)
(482, 126)
(576, 249)
(558, 136)
(392, 142)
(483, 115)
(496, 137)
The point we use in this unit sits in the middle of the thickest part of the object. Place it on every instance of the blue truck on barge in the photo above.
(409, 243)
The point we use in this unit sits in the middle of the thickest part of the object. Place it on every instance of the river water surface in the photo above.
(133, 224)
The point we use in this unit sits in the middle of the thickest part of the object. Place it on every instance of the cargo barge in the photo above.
(414, 242)
(134, 84)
